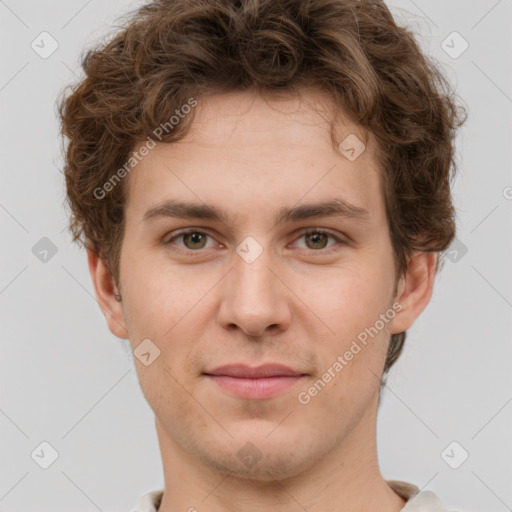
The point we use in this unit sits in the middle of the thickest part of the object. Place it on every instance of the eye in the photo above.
(192, 238)
(316, 239)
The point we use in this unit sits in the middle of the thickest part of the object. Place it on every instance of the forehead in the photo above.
(246, 118)
(255, 154)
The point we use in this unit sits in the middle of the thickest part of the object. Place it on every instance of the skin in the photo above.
(301, 302)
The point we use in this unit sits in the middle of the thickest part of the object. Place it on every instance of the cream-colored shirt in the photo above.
(417, 501)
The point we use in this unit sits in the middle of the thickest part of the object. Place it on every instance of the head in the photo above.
(244, 111)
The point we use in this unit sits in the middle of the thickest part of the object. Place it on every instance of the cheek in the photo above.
(352, 298)
(157, 297)
(165, 389)
(351, 304)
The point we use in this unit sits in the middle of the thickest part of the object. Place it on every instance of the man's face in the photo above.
(247, 290)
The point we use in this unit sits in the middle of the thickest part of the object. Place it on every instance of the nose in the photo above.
(255, 298)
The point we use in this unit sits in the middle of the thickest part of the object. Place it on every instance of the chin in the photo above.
(259, 457)
(266, 469)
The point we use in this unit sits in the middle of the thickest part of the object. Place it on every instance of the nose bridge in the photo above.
(254, 299)
(252, 274)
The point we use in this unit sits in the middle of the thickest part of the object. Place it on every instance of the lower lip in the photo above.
(265, 387)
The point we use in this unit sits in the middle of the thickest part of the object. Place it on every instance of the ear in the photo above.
(414, 290)
(105, 288)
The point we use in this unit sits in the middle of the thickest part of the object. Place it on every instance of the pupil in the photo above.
(315, 237)
(195, 238)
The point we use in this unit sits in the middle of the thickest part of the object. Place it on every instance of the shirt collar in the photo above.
(416, 500)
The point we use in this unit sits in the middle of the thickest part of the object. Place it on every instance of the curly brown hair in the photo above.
(169, 51)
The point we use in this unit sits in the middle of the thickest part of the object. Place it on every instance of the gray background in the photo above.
(66, 380)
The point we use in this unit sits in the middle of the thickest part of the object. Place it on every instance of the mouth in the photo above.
(261, 382)
(258, 388)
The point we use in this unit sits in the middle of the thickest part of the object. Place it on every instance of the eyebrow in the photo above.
(185, 210)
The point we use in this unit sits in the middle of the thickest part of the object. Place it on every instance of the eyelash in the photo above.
(303, 234)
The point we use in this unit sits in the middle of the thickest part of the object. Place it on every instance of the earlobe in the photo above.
(414, 290)
(106, 292)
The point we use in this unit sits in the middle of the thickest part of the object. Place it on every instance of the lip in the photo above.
(241, 370)
(260, 382)
(264, 387)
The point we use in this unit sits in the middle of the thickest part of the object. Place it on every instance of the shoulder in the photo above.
(149, 502)
(417, 501)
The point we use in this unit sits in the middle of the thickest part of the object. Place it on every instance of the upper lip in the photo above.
(248, 372)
